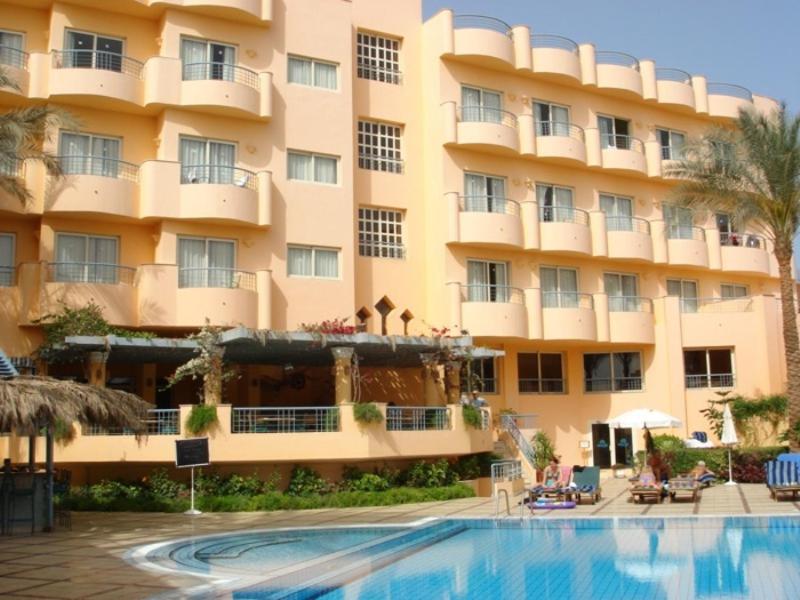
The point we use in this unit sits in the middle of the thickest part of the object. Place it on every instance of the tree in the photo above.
(752, 172)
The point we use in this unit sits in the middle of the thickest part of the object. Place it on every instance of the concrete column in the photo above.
(588, 64)
(647, 68)
(453, 218)
(452, 378)
(533, 306)
(527, 133)
(530, 223)
(658, 231)
(343, 374)
(597, 224)
(446, 35)
(264, 179)
(602, 317)
(449, 123)
(594, 154)
(264, 290)
(96, 366)
(265, 87)
(523, 57)
(652, 153)
(714, 249)
(700, 87)
(431, 392)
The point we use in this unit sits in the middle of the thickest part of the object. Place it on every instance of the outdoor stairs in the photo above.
(513, 445)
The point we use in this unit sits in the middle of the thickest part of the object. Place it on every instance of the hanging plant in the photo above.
(201, 418)
(472, 416)
(367, 413)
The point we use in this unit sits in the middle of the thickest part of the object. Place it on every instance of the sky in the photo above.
(754, 43)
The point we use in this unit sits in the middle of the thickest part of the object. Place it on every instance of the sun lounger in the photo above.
(586, 484)
(782, 478)
(684, 488)
(646, 488)
(540, 491)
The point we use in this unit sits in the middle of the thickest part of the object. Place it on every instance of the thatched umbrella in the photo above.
(29, 404)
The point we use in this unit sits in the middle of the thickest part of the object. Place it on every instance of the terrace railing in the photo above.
(99, 166)
(97, 59)
(563, 214)
(486, 114)
(619, 59)
(711, 380)
(541, 385)
(567, 300)
(559, 128)
(481, 22)
(13, 57)
(215, 71)
(630, 304)
(626, 223)
(744, 240)
(159, 421)
(555, 42)
(615, 141)
(216, 277)
(90, 272)
(729, 89)
(305, 419)
(676, 75)
(686, 232)
(489, 204)
(417, 418)
(219, 174)
(491, 293)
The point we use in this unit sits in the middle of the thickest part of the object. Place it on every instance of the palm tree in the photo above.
(22, 134)
(752, 172)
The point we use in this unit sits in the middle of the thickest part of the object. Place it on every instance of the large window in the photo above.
(92, 51)
(686, 290)
(378, 58)
(317, 168)
(618, 211)
(7, 244)
(551, 119)
(487, 281)
(616, 372)
(380, 233)
(11, 49)
(484, 193)
(672, 144)
(203, 60)
(379, 147)
(310, 261)
(206, 262)
(559, 287)
(88, 154)
(86, 258)
(540, 373)
(555, 203)
(209, 161)
(482, 375)
(481, 105)
(679, 221)
(709, 368)
(622, 290)
(614, 133)
(313, 72)
(734, 290)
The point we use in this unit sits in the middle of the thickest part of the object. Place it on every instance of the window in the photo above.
(204, 60)
(679, 221)
(210, 161)
(559, 287)
(7, 244)
(734, 290)
(614, 133)
(487, 281)
(86, 258)
(380, 233)
(87, 154)
(379, 147)
(708, 368)
(206, 262)
(618, 211)
(481, 105)
(540, 373)
(555, 204)
(484, 193)
(316, 168)
(551, 119)
(91, 51)
(686, 290)
(316, 73)
(622, 290)
(378, 58)
(11, 53)
(730, 234)
(672, 144)
(616, 372)
(484, 376)
(308, 261)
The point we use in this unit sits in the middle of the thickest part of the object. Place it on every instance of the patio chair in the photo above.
(646, 488)
(782, 478)
(586, 483)
(684, 487)
(540, 491)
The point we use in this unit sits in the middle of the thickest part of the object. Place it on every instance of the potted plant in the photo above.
(544, 450)
(366, 413)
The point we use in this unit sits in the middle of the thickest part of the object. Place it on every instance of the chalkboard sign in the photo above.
(191, 453)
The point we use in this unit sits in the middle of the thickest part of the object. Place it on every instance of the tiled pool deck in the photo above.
(88, 562)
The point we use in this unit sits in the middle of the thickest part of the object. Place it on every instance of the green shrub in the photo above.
(306, 482)
(201, 418)
(543, 448)
(472, 416)
(367, 413)
(468, 467)
(430, 474)
(161, 486)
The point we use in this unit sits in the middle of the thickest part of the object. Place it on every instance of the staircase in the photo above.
(522, 448)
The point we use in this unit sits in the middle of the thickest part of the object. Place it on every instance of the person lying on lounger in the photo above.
(702, 474)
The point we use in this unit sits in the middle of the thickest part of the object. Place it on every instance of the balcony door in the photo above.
(618, 211)
(11, 49)
(204, 262)
(555, 204)
(207, 161)
(551, 119)
(686, 290)
(622, 290)
(679, 222)
(86, 154)
(7, 259)
(614, 133)
(481, 105)
(487, 281)
(86, 258)
(204, 60)
(483, 193)
(672, 144)
(92, 51)
(559, 287)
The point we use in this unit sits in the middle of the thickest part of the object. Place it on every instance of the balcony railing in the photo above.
(7, 276)
(717, 305)
(305, 419)
(216, 277)
(744, 240)
(670, 153)
(89, 272)
(159, 421)
(615, 141)
(215, 71)
(713, 380)
(559, 128)
(99, 166)
(556, 42)
(563, 214)
(567, 300)
(375, 162)
(97, 59)
(676, 75)
(377, 249)
(616, 384)
(219, 174)
(12, 57)
(481, 22)
(491, 293)
(626, 223)
(379, 73)
(489, 204)
(541, 385)
(417, 418)
(485, 114)
(12, 168)
(729, 89)
(630, 304)
(619, 59)
(686, 232)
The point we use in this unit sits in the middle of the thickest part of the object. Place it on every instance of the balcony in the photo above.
(555, 56)
(495, 311)
(94, 185)
(257, 12)
(568, 316)
(310, 419)
(488, 129)
(725, 99)
(686, 246)
(559, 142)
(16, 172)
(619, 72)
(15, 64)
(674, 87)
(629, 238)
(484, 41)
(719, 322)
(223, 89)
(630, 320)
(710, 380)
(418, 418)
(744, 253)
(103, 79)
(489, 221)
(564, 230)
(623, 153)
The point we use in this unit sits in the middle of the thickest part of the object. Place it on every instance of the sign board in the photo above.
(585, 444)
(191, 453)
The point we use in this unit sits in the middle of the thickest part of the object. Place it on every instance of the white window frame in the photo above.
(313, 250)
(494, 292)
(554, 213)
(314, 62)
(382, 59)
(314, 156)
(734, 286)
(550, 127)
(484, 113)
(91, 158)
(206, 240)
(607, 144)
(18, 64)
(668, 152)
(7, 270)
(387, 155)
(708, 374)
(375, 248)
(687, 302)
(540, 380)
(562, 300)
(466, 387)
(209, 63)
(485, 202)
(94, 49)
(207, 166)
(628, 303)
(85, 262)
(613, 377)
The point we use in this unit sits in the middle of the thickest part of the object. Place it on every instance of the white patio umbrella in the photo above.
(641, 418)
(729, 438)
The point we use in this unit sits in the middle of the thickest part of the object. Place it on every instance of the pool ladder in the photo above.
(504, 492)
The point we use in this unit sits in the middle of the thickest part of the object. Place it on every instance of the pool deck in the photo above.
(88, 561)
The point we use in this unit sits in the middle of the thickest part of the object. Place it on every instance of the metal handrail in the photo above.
(711, 380)
(99, 166)
(509, 425)
(541, 385)
(216, 277)
(630, 304)
(97, 59)
(376, 162)
(215, 71)
(729, 89)
(12, 167)
(744, 240)
(417, 418)
(485, 114)
(560, 129)
(612, 384)
(717, 305)
(159, 421)
(563, 214)
(626, 223)
(378, 72)
(13, 57)
(488, 204)
(89, 272)
(615, 141)
(677, 75)
(219, 174)
(686, 232)
(567, 300)
(619, 59)
(555, 42)
(377, 249)
(301, 419)
(491, 293)
(481, 22)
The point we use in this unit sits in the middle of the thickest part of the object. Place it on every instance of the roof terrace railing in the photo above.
(729, 89)
(677, 75)
(555, 42)
(619, 59)
(481, 22)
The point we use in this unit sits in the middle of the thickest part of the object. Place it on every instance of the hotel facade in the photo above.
(265, 164)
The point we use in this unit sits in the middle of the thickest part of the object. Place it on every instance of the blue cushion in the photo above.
(782, 473)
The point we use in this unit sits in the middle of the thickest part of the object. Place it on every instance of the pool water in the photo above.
(614, 559)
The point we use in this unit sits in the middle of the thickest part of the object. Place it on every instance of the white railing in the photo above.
(417, 418)
(509, 425)
(303, 419)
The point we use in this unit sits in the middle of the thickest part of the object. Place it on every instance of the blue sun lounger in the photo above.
(782, 478)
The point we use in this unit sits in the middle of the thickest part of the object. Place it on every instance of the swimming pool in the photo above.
(658, 558)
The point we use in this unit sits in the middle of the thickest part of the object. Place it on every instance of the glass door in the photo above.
(551, 119)
(618, 211)
(686, 290)
(6, 259)
(623, 446)
(622, 291)
(559, 287)
(679, 222)
(480, 105)
(613, 133)
(91, 51)
(487, 281)
(601, 445)
(555, 204)
(484, 193)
